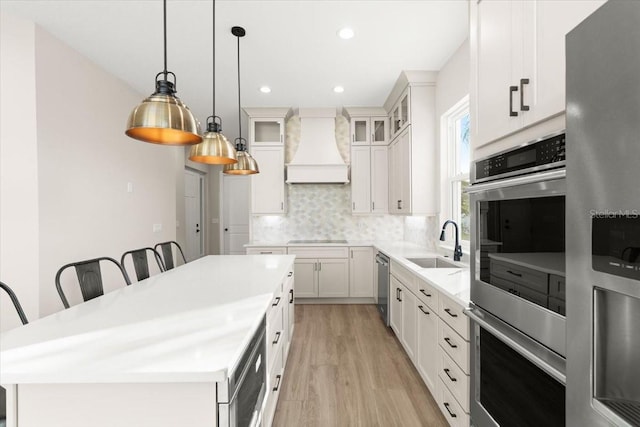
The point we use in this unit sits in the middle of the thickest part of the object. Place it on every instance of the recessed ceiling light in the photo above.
(265, 89)
(338, 89)
(345, 33)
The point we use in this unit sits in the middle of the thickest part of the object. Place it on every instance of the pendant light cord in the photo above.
(239, 117)
(213, 56)
(165, 72)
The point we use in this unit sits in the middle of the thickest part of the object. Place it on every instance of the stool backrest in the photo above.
(16, 303)
(141, 261)
(166, 248)
(89, 278)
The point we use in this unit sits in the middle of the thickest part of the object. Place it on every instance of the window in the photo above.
(456, 156)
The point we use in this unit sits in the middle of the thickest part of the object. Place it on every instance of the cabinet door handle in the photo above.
(278, 377)
(281, 137)
(290, 296)
(422, 310)
(446, 405)
(319, 266)
(511, 90)
(290, 274)
(353, 206)
(281, 205)
(515, 274)
(448, 310)
(425, 294)
(522, 83)
(400, 295)
(373, 206)
(448, 340)
(399, 204)
(397, 294)
(277, 301)
(275, 341)
(446, 371)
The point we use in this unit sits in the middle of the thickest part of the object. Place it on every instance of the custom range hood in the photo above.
(317, 159)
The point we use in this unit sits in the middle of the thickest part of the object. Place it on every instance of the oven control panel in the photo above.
(538, 155)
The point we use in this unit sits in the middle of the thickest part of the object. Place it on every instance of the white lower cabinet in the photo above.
(361, 268)
(427, 358)
(321, 272)
(395, 307)
(434, 332)
(280, 321)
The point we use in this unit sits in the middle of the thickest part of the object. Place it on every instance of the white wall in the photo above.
(85, 164)
(453, 80)
(19, 265)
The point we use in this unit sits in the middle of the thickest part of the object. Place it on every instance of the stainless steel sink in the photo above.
(432, 262)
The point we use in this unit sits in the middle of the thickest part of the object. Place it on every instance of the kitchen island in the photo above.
(149, 354)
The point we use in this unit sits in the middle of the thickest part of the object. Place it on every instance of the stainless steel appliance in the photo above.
(518, 344)
(382, 261)
(243, 393)
(603, 233)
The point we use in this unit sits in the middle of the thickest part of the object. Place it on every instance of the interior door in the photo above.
(235, 213)
(193, 192)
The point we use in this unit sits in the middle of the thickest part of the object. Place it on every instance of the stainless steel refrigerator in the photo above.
(603, 218)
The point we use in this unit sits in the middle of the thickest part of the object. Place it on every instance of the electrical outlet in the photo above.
(129, 187)
(215, 220)
(157, 228)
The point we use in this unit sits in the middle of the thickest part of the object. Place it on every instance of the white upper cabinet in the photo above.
(379, 130)
(379, 179)
(518, 62)
(268, 195)
(361, 179)
(267, 125)
(360, 131)
(266, 145)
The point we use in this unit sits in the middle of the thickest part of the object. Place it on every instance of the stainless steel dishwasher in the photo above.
(383, 286)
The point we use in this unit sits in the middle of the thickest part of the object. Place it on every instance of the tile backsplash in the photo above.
(323, 211)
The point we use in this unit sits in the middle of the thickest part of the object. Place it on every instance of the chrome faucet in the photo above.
(457, 251)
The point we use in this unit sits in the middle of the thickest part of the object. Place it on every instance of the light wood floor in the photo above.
(345, 368)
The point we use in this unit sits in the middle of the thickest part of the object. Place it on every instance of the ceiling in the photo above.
(292, 46)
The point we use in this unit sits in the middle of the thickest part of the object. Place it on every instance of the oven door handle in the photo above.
(519, 180)
(543, 358)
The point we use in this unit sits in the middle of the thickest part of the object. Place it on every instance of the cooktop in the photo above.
(319, 241)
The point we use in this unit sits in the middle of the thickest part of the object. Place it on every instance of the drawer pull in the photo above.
(277, 302)
(290, 296)
(422, 310)
(448, 310)
(446, 371)
(515, 274)
(448, 340)
(266, 252)
(446, 405)
(278, 377)
(277, 338)
(425, 294)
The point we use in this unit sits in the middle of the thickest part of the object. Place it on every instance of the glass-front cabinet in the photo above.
(266, 131)
(400, 114)
(379, 131)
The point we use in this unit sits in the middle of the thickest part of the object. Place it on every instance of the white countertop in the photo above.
(454, 282)
(547, 262)
(189, 324)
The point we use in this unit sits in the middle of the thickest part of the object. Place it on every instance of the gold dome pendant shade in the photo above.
(246, 165)
(215, 148)
(162, 118)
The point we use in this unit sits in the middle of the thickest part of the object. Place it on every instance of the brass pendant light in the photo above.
(162, 118)
(214, 149)
(246, 165)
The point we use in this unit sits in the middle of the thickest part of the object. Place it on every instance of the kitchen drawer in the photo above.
(557, 286)
(274, 384)
(267, 250)
(451, 312)
(454, 345)
(532, 279)
(427, 294)
(404, 275)
(319, 252)
(450, 407)
(455, 380)
(275, 332)
(557, 305)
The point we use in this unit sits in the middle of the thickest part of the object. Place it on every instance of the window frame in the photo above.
(449, 176)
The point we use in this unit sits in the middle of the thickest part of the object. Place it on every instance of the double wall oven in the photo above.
(518, 335)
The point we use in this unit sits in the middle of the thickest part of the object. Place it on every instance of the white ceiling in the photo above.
(290, 46)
